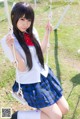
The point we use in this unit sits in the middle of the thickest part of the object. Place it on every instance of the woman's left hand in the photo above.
(49, 27)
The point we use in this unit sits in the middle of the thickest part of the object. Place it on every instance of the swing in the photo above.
(19, 95)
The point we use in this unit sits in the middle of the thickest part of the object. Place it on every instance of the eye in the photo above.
(22, 19)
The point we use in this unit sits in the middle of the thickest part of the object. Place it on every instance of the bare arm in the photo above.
(21, 64)
(44, 43)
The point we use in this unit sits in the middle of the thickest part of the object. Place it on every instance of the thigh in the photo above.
(52, 111)
(44, 116)
(63, 105)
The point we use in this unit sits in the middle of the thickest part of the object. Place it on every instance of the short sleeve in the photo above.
(36, 34)
(6, 49)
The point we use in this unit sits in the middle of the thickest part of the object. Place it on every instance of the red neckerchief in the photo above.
(28, 39)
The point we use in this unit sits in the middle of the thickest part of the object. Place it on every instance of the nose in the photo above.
(26, 23)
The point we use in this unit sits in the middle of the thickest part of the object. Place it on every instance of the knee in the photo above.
(66, 110)
(57, 115)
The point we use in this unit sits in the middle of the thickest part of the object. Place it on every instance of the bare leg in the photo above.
(53, 112)
(63, 105)
(56, 110)
(44, 116)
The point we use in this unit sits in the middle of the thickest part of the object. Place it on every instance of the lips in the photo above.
(24, 28)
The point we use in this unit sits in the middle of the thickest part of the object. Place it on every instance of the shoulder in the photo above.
(34, 31)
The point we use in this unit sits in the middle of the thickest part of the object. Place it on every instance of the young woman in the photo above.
(40, 88)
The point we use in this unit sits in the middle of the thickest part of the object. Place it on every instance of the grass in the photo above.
(63, 56)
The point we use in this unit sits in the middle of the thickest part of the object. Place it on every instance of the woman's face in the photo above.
(23, 24)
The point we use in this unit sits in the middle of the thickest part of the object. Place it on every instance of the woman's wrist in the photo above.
(11, 47)
(47, 31)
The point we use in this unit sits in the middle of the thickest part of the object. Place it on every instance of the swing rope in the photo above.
(62, 16)
(57, 25)
(7, 14)
(48, 45)
(16, 63)
(19, 95)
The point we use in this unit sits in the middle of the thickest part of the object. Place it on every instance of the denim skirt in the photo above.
(41, 94)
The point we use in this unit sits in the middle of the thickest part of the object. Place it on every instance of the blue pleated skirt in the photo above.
(42, 94)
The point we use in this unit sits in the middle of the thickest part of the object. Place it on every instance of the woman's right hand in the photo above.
(10, 40)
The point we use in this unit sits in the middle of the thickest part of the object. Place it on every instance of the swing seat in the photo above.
(19, 98)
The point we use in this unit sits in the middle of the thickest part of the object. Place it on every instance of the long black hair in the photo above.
(19, 10)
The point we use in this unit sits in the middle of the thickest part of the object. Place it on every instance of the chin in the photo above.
(23, 31)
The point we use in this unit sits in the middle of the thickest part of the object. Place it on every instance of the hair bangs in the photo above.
(29, 14)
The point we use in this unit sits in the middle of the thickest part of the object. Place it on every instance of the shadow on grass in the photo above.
(76, 81)
(74, 112)
(56, 56)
